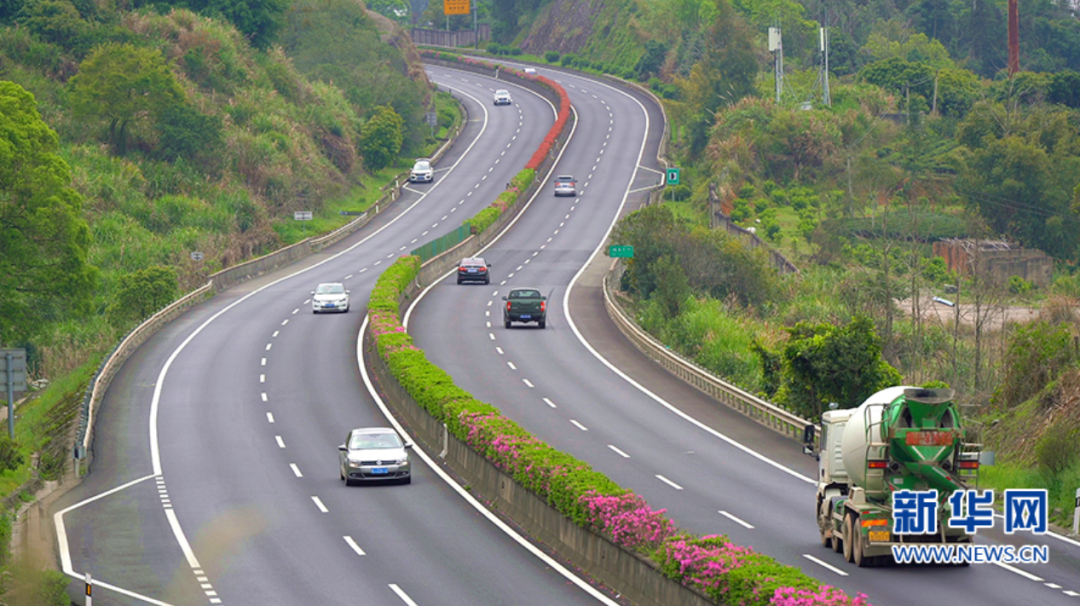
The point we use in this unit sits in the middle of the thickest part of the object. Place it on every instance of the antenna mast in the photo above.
(776, 46)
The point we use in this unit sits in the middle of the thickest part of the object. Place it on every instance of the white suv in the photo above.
(502, 97)
(421, 171)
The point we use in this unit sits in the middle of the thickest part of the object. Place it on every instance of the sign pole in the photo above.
(10, 394)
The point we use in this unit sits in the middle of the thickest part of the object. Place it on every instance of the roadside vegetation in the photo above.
(131, 138)
(927, 138)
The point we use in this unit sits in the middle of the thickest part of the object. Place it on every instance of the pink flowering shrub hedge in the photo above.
(727, 573)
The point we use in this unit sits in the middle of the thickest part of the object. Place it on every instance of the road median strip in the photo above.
(711, 568)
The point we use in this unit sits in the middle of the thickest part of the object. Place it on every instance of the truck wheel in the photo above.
(507, 323)
(543, 323)
(857, 556)
(849, 543)
(823, 522)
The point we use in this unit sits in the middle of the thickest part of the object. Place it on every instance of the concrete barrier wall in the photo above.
(221, 281)
(636, 577)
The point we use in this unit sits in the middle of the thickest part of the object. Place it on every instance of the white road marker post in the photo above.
(89, 590)
(1076, 514)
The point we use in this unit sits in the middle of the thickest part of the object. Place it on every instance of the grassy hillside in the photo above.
(229, 141)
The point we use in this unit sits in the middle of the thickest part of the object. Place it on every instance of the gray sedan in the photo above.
(374, 454)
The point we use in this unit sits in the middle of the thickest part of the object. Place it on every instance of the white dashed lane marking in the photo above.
(618, 451)
(319, 504)
(269, 417)
(280, 442)
(295, 470)
(668, 482)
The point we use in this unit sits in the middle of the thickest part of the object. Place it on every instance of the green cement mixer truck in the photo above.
(899, 439)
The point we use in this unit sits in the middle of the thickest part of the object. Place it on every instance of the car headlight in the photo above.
(402, 462)
(354, 464)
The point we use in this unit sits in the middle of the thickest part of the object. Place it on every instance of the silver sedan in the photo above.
(374, 454)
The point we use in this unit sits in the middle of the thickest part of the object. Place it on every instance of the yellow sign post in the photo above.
(456, 7)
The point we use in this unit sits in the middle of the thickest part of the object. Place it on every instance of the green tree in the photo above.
(825, 363)
(1065, 89)
(123, 85)
(1023, 191)
(43, 238)
(381, 138)
(184, 132)
(672, 288)
(724, 74)
(56, 21)
(258, 20)
(140, 294)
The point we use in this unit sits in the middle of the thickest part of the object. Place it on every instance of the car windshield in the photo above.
(330, 289)
(564, 178)
(524, 294)
(503, 92)
(422, 166)
(472, 262)
(369, 441)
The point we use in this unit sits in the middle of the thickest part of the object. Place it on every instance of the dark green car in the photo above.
(525, 305)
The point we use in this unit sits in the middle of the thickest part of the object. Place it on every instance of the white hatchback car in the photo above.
(330, 296)
(422, 171)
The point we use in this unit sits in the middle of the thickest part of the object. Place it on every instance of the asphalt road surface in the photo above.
(215, 477)
(713, 469)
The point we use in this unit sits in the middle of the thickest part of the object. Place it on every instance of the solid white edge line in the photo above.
(738, 521)
(61, 531)
(1022, 573)
(401, 594)
(354, 546)
(520, 540)
(155, 452)
(824, 564)
(184, 545)
(423, 293)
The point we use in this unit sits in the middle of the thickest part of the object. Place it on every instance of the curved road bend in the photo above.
(249, 416)
(548, 381)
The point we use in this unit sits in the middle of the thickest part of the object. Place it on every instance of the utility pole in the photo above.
(475, 26)
(1014, 38)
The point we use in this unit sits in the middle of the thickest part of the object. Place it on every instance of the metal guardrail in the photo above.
(111, 364)
(227, 277)
(762, 411)
(443, 243)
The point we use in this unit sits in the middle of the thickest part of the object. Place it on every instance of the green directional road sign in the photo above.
(672, 176)
(625, 252)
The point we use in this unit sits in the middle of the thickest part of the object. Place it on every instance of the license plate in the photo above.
(329, 305)
(929, 438)
(879, 536)
(378, 470)
(526, 317)
(471, 271)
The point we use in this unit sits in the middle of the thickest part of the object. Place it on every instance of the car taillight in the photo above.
(507, 306)
(462, 268)
(969, 464)
(543, 306)
(877, 464)
(483, 269)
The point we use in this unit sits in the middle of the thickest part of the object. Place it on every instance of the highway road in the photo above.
(581, 387)
(215, 473)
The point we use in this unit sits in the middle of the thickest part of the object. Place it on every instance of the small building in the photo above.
(996, 258)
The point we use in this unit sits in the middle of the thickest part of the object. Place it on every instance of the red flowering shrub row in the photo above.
(727, 573)
(564, 100)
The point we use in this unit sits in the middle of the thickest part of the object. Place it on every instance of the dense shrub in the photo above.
(551, 56)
